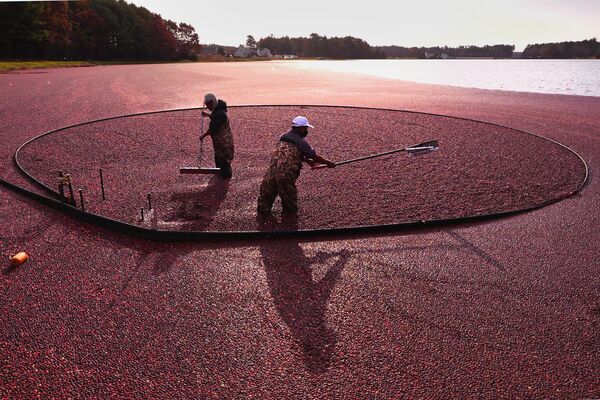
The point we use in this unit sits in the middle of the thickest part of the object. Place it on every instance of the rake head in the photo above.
(198, 170)
(423, 148)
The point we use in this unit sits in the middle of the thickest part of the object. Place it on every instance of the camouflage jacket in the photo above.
(223, 142)
(286, 162)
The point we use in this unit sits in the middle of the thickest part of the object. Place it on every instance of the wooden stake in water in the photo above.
(71, 191)
(154, 220)
(81, 200)
(102, 184)
(61, 187)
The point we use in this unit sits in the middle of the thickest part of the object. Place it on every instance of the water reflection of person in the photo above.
(300, 300)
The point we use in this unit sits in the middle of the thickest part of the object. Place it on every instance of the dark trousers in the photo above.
(225, 167)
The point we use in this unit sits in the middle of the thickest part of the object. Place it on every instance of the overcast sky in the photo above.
(381, 22)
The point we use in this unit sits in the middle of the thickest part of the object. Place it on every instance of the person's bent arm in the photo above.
(207, 133)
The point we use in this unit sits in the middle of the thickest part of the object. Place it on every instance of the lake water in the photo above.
(574, 77)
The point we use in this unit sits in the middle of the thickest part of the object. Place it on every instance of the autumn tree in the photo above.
(92, 29)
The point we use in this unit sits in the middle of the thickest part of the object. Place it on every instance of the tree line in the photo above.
(350, 47)
(582, 49)
(92, 29)
(217, 50)
(320, 46)
(499, 50)
(115, 29)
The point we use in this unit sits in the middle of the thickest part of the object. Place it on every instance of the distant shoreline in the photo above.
(10, 66)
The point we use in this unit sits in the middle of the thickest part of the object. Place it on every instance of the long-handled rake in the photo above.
(199, 169)
(415, 150)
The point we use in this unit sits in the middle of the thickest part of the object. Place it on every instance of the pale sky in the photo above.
(387, 22)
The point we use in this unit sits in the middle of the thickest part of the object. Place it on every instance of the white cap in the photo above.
(301, 121)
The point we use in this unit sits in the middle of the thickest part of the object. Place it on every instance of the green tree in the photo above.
(250, 41)
(92, 29)
(22, 29)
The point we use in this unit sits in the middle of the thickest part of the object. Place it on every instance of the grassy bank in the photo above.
(6, 66)
(18, 65)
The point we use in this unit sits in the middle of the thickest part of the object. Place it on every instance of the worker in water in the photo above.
(220, 132)
(286, 162)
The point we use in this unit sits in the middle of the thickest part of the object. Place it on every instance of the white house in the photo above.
(443, 56)
(264, 53)
(243, 51)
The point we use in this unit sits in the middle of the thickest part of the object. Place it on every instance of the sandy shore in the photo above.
(508, 308)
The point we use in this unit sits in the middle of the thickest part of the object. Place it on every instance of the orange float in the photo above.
(19, 258)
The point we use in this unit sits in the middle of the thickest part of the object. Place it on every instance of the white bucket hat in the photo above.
(208, 97)
(301, 121)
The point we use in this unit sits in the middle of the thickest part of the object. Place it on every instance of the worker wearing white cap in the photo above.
(292, 149)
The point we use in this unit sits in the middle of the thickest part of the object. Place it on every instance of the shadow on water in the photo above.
(10, 269)
(300, 299)
(195, 210)
(477, 251)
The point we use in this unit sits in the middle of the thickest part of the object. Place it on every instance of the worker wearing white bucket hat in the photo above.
(280, 180)
(220, 132)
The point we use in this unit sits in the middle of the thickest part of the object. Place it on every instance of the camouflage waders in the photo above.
(223, 146)
(280, 179)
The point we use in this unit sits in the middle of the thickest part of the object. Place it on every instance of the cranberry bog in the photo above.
(480, 170)
(504, 307)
